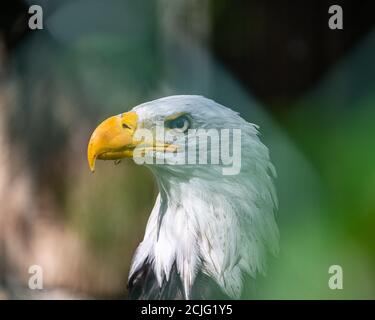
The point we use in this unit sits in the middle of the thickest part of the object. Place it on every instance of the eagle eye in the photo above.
(182, 123)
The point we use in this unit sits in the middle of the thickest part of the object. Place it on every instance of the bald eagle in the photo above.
(208, 231)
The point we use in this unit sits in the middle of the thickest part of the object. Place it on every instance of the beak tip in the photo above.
(91, 156)
(91, 164)
(92, 167)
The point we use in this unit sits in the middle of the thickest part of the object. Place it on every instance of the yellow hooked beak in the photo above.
(113, 139)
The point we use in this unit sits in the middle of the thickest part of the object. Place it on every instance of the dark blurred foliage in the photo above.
(246, 34)
(281, 49)
(13, 23)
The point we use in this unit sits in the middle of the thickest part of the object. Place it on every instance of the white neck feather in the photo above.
(222, 226)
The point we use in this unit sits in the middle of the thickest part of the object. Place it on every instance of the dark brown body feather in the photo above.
(143, 285)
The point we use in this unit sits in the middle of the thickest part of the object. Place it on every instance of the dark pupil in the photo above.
(177, 123)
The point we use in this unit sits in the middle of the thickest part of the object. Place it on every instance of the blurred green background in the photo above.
(311, 90)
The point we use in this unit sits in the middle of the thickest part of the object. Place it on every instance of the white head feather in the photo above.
(203, 220)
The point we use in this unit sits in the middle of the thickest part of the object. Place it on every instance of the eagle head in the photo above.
(214, 215)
